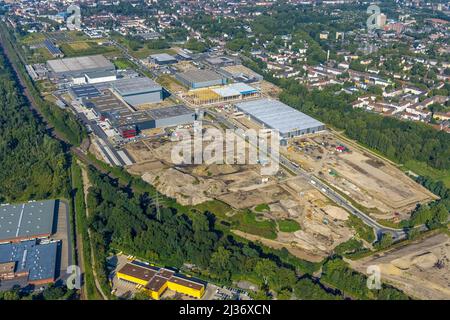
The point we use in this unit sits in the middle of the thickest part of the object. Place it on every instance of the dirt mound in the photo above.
(188, 190)
(214, 170)
(336, 212)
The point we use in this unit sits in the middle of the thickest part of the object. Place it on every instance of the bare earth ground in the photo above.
(375, 184)
(421, 269)
(323, 225)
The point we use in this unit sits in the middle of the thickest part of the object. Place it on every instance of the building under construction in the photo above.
(222, 94)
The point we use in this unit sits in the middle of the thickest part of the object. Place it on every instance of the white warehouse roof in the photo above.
(234, 89)
(277, 115)
(86, 64)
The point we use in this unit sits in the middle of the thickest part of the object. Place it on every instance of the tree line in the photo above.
(33, 164)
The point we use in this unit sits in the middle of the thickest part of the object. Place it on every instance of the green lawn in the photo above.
(123, 63)
(217, 207)
(262, 207)
(288, 225)
(423, 169)
(141, 52)
(32, 38)
(250, 222)
(247, 221)
(364, 231)
(75, 49)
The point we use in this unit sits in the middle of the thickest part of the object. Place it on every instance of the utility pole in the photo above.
(158, 211)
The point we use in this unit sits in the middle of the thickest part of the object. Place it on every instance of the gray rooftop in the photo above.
(100, 74)
(85, 91)
(219, 60)
(39, 260)
(276, 115)
(135, 86)
(163, 57)
(168, 112)
(199, 75)
(27, 220)
(77, 64)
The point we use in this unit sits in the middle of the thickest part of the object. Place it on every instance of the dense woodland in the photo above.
(63, 122)
(52, 292)
(33, 164)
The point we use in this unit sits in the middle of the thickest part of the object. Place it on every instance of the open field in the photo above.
(380, 188)
(82, 48)
(170, 83)
(421, 269)
(422, 169)
(123, 63)
(283, 209)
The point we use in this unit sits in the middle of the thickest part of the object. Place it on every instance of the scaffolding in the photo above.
(213, 95)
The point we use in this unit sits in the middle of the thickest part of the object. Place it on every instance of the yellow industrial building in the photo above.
(155, 281)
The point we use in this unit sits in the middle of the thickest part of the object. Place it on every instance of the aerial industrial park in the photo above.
(360, 148)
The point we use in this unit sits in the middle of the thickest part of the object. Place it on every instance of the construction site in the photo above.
(421, 269)
(383, 190)
(222, 94)
(321, 225)
(280, 210)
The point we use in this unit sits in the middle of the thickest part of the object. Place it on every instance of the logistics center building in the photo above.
(27, 220)
(155, 281)
(29, 259)
(128, 121)
(195, 79)
(79, 66)
(137, 91)
(274, 114)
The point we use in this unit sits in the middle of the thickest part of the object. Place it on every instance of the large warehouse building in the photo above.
(27, 220)
(276, 115)
(36, 262)
(79, 66)
(195, 79)
(171, 116)
(137, 91)
(155, 281)
(129, 121)
(162, 58)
